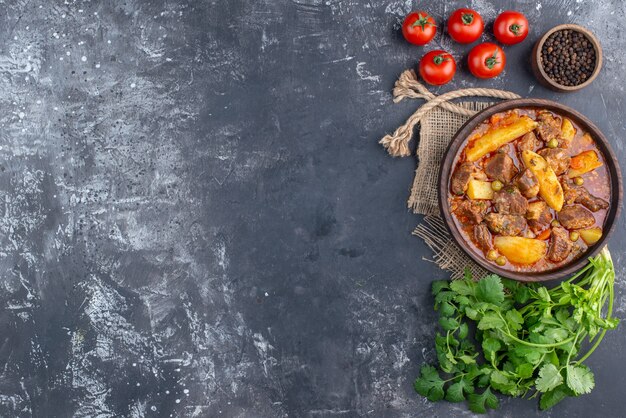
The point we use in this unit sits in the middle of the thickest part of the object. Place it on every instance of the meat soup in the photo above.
(529, 190)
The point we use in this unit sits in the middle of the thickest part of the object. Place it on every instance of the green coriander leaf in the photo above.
(503, 384)
(531, 354)
(467, 274)
(448, 324)
(462, 300)
(514, 319)
(429, 384)
(553, 358)
(473, 372)
(444, 296)
(490, 320)
(508, 367)
(451, 341)
(463, 330)
(444, 364)
(554, 335)
(471, 313)
(455, 392)
(446, 309)
(552, 397)
(467, 345)
(483, 380)
(439, 285)
(467, 359)
(510, 285)
(580, 379)
(547, 312)
(537, 338)
(490, 346)
(450, 357)
(490, 289)
(543, 294)
(440, 341)
(462, 287)
(524, 370)
(522, 294)
(549, 378)
(480, 402)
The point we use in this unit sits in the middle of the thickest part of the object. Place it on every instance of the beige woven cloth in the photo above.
(439, 120)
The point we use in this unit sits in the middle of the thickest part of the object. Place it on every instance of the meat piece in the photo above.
(560, 244)
(527, 142)
(569, 190)
(527, 184)
(471, 212)
(557, 158)
(510, 225)
(482, 237)
(589, 201)
(538, 216)
(549, 126)
(509, 201)
(501, 167)
(575, 217)
(579, 194)
(461, 177)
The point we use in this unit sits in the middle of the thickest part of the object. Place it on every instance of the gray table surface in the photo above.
(197, 219)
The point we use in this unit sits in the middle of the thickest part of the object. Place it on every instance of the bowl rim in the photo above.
(604, 146)
(594, 42)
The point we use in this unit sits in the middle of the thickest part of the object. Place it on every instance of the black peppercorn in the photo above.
(568, 57)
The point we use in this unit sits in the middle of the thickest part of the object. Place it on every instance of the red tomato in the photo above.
(465, 26)
(486, 60)
(510, 27)
(437, 67)
(419, 28)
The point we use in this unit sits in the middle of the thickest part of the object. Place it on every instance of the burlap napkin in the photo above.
(439, 120)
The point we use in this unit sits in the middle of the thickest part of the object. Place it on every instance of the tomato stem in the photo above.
(422, 21)
(492, 60)
(439, 59)
(515, 28)
(467, 18)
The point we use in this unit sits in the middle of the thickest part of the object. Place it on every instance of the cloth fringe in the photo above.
(447, 254)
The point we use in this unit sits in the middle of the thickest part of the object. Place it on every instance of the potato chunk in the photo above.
(590, 235)
(480, 190)
(583, 163)
(494, 138)
(567, 131)
(550, 189)
(521, 250)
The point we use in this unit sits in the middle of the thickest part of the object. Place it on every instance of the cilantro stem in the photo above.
(601, 336)
(560, 343)
(514, 338)
(454, 377)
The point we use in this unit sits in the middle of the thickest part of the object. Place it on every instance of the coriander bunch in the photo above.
(527, 338)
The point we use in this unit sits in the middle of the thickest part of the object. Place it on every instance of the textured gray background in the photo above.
(196, 218)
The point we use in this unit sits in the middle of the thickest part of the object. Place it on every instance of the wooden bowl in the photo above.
(540, 73)
(613, 170)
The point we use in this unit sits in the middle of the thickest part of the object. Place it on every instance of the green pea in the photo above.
(578, 181)
(492, 255)
(553, 143)
(501, 260)
(555, 223)
(574, 236)
(497, 185)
